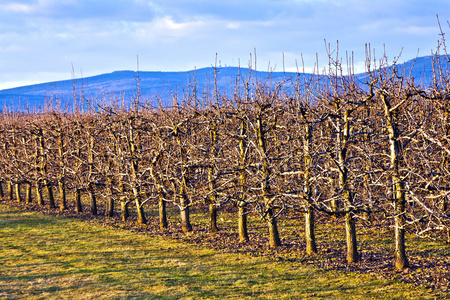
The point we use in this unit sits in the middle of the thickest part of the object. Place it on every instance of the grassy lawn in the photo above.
(47, 257)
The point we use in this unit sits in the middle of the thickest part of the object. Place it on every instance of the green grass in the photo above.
(48, 257)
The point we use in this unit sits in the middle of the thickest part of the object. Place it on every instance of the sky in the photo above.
(50, 40)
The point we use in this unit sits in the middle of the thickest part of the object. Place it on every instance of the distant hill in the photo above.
(121, 86)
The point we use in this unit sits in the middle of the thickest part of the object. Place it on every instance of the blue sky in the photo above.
(40, 40)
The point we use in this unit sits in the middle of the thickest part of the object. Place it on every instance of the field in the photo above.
(330, 188)
(53, 257)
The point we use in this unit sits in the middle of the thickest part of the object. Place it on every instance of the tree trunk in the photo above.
(242, 223)
(185, 221)
(124, 210)
(311, 247)
(78, 206)
(62, 195)
(162, 212)
(28, 196)
(51, 198)
(91, 192)
(401, 261)
(40, 199)
(140, 209)
(212, 180)
(18, 196)
(93, 200)
(43, 173)
(61, 184)
(10, 190)
(274, 237)
(184, 212)
(334, 205)
(213, 218)
(350, 229)
(367, 214)
(109, 211)
(183, 198)
(133, 146)
(142, 220)
(310, 236)
(242, 205)
(160, 189)
(350, 232)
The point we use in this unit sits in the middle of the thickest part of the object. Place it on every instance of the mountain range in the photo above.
(121, 87)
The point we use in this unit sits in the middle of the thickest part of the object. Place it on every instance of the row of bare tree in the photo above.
(350, 147)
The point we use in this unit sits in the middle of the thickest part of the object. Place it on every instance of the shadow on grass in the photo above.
(45, 257)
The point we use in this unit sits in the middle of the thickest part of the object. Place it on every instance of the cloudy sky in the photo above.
(40, 40)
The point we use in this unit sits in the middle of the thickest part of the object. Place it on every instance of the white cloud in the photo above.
(16, 8)
(166, 28)
(416, 30)
(234, 25)
(168, 25)
(10, 49)
(49, 35)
